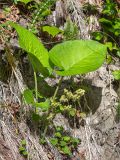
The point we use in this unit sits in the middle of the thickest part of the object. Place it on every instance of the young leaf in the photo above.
(25, 153)
(58, 134)
(97, 36)
(59, 129)
(71, 31)
(75, 141)
(31, 44)
(109, 45)
(72, 112)
(28, 95)
(116, 74)
(42, 141)
(78, 56)
(54, 141)
(66, 150)
(66, 138)
(21, 149)
(63, 143)
(43, 105)
(23, 142)
(105, 21)
(52, 30)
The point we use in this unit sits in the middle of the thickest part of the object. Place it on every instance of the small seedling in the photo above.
(65, 143)
(22, 149)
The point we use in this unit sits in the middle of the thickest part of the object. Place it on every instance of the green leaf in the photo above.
(59, 129)
(109, 45)
(21, 149)
(24, 1)
(15, 1)
(118, 52)
(71, 31)
(117, 24)
(31, 44)
(78, 56)
(28, 95)
(45, 13)
(23, 142)
(37, 66)
(52, 30)
(36, 117)
(66, 150)
(83, 115)
(54, 141)
(75, 141)
(43, 105)
(72, 112)
(42, 141)
(116, 74)
(58, 134)
(108, 59)
(105, 21)
(97, 35)
(25, 153)
(63, 143)
(66, 138)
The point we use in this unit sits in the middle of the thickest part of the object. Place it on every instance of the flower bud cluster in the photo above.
(65, 101)
(68, 95)
(55, 103)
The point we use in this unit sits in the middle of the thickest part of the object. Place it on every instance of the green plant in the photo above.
(65, 59)
(71, 57)
(110, 24)
(52, 30)
(70, 31)
(65, 143)
(7, 10)
(22, 149)
(40, 11)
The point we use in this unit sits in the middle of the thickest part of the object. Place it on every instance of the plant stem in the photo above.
(54, 96)
(45, 131)
(56, 91)
(36, 88)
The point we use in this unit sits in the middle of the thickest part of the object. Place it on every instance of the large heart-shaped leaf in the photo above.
(78, 56)
(31, 44)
